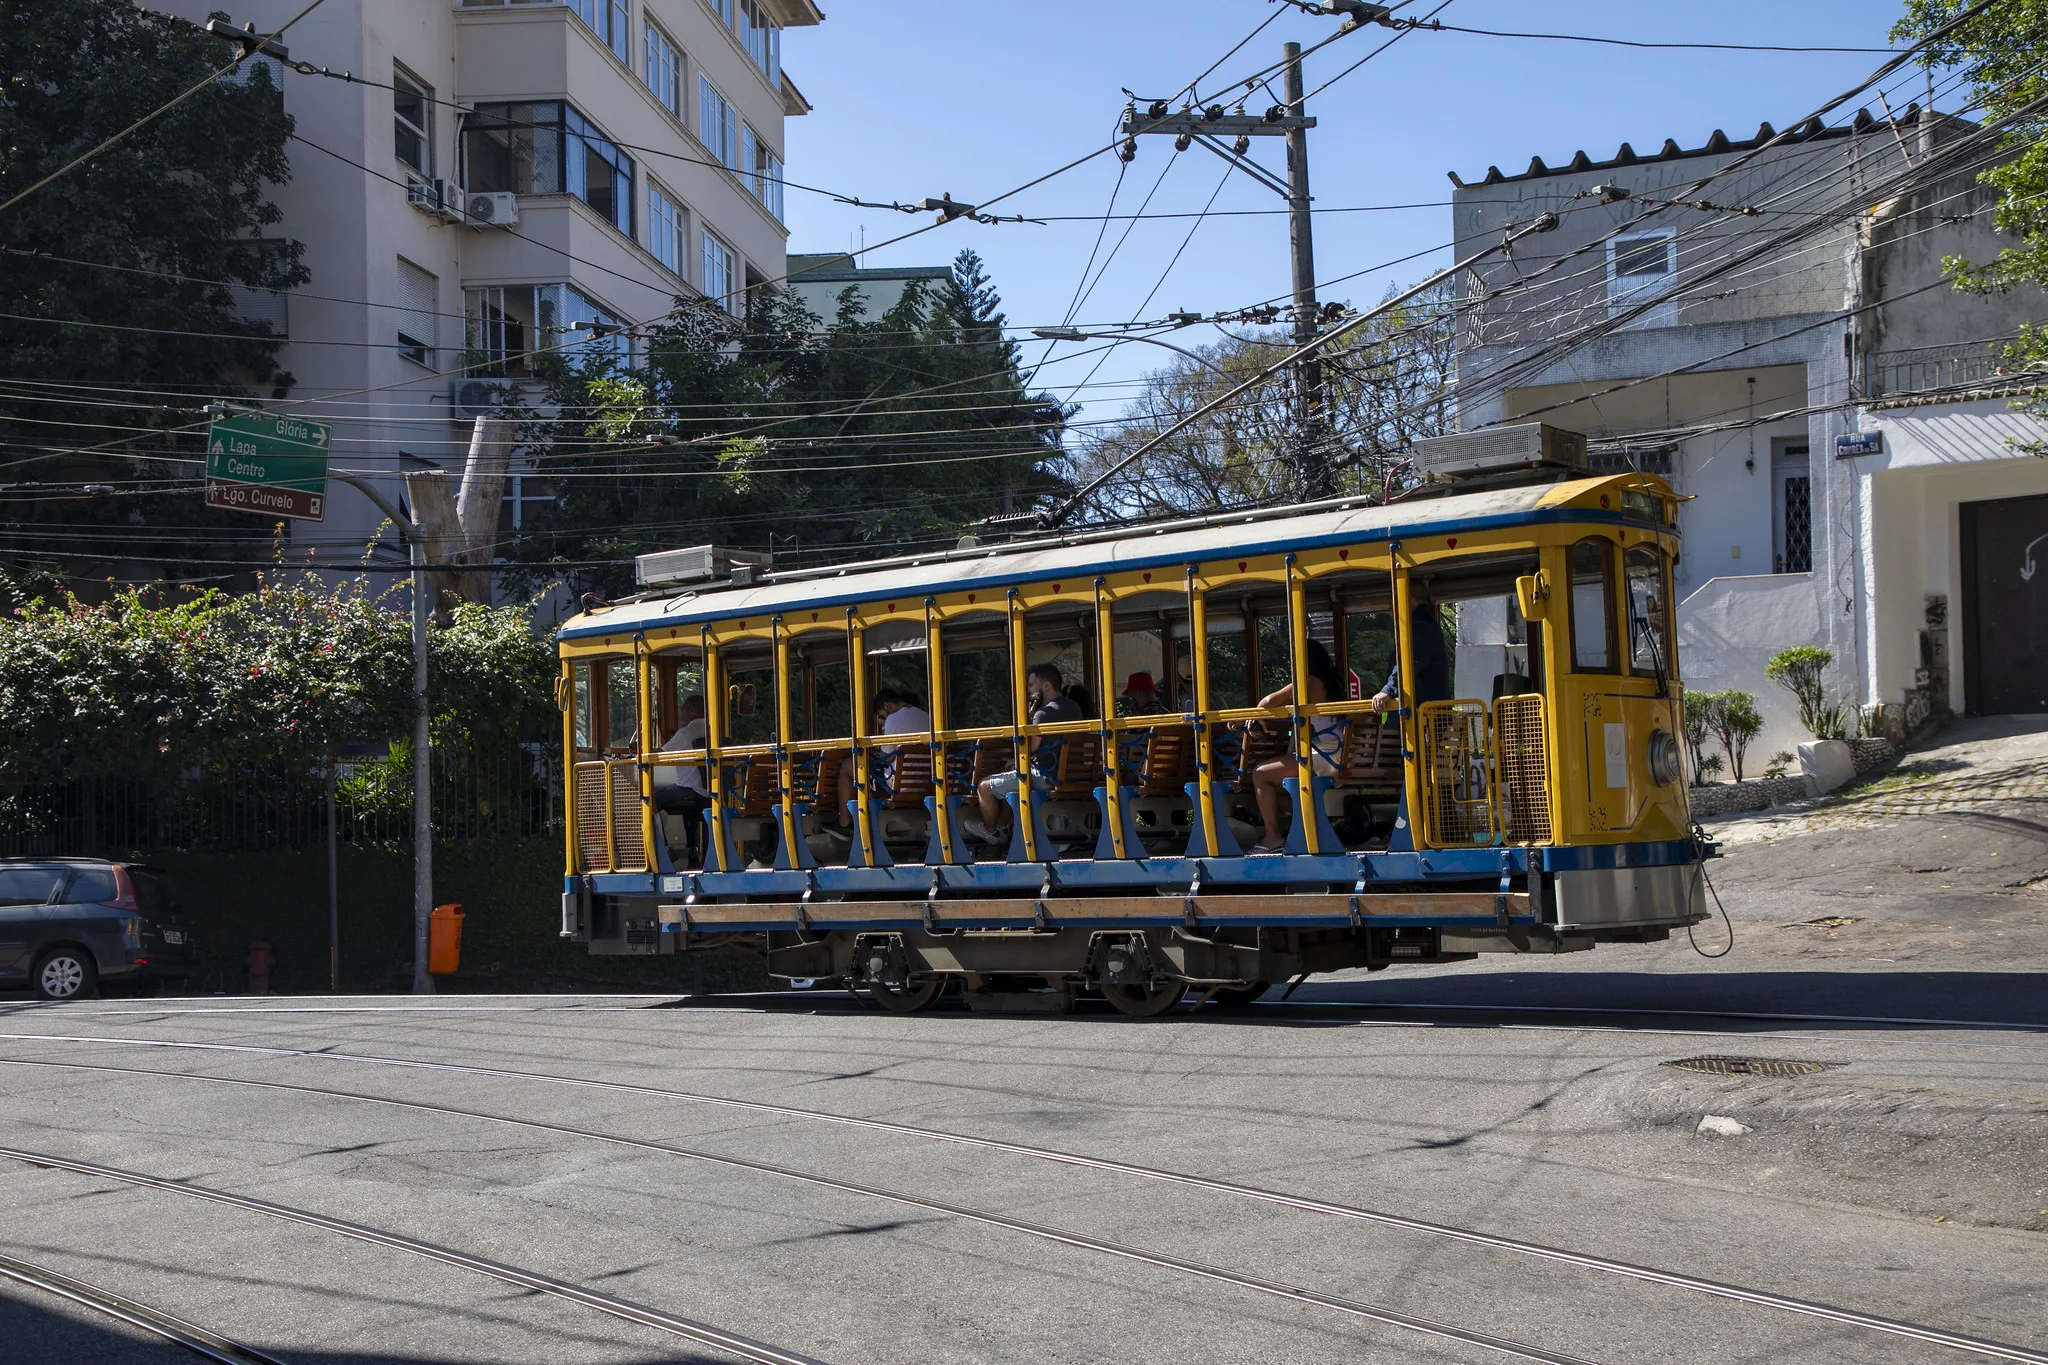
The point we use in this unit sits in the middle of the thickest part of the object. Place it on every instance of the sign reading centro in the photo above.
(271, 465)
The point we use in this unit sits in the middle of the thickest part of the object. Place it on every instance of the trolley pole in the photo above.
(1312, 455)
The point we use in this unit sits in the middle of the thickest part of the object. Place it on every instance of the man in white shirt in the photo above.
(899, 714)
(679, 788)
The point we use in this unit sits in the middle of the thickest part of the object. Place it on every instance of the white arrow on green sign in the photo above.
(272, 465)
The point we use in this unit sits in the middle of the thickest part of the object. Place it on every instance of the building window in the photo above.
(761, 36)
(608, 20)
(723, 9)
(668, 228)
(418, 307)
(526, 497)
(717, 124)
(719, 274)
(509, 324)
(764, 173)
(412, 122)
(1642, 267)
(548, 148)
(664, 74)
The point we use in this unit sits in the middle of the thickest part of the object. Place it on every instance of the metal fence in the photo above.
(1922, 369)
(508, 792)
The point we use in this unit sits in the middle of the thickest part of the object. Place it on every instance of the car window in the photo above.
(153, 894)
(28, 885)
(90, 886)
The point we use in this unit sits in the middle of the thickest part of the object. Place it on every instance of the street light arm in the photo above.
(1076, 334)
(1051, 520)
(408, 529)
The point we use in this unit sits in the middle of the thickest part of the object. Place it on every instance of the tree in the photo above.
(1801, 671)
(1697, 722)
(1389, 383)
(151, 234)
(1735, 721)
(2003, 53)
(775, 432)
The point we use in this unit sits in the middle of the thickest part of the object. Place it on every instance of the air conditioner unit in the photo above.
(699, 564)
(441, 198)
(491, 209)
(1499, 450)
(474, 398)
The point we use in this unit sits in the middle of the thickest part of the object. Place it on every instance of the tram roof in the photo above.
(1176, 544)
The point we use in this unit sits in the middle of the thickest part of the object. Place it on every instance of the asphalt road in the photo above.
(1517, 1099)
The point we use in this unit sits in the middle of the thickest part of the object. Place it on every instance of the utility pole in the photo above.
(1312, 459)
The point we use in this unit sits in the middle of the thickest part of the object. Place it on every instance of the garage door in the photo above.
(2005, 606)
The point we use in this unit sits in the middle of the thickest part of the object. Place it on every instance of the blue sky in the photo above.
(975, 97)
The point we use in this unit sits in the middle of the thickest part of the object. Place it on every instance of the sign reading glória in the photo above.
(273, 465)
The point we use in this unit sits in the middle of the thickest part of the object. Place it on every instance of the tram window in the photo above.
(1592, 569)
(1369, 648)
(1138, 651)
(904, 673)
(1228, 685)
(675, 680)
(1276, 655)
(621, 705)
(1649, 616)
(831, 701)
(750, 702)
(582, 705)
(978, 687)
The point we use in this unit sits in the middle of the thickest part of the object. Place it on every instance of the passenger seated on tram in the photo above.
(1084, 703)
(1048, 704)
(679, 788)
(896, 713)
(1326, 743)
(1141, 697)
(1432, 661)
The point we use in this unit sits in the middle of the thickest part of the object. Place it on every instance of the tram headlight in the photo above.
(1665, 765)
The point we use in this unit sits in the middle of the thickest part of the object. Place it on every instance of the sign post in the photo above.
(271, 465)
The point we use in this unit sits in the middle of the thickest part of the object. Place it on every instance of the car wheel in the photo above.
(65, 974)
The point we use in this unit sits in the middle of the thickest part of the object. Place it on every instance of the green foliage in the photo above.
(1801, 670)
(1697, 721)
(779, 432)
(2003, 52)
(148, 234)
(138, 688)
(1780, 764)
(1731, 717)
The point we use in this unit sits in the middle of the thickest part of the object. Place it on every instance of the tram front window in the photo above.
(622, 706)
(1592, 568)
(583, 730)
(1649, 619)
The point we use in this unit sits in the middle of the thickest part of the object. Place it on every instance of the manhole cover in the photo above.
(1753, 1066)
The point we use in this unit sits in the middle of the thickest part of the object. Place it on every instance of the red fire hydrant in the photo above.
(259, 967)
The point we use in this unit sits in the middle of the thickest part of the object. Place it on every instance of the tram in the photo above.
(1538, 805)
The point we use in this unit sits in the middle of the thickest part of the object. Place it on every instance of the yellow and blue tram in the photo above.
(1539, 808)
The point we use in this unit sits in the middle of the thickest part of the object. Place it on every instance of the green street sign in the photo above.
(272, 465)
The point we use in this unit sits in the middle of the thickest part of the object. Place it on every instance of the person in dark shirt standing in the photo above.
(1432, 662)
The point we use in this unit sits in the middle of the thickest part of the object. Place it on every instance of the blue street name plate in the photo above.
(1859, 443)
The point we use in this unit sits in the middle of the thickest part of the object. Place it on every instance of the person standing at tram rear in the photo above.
(679, 788)
(1046, 704)
(1326, 743)
(1432, 661)
(896, 713)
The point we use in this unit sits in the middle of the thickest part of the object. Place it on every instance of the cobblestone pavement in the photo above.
(1972, 765)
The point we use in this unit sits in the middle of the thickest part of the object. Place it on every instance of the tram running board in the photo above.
(1463, 909)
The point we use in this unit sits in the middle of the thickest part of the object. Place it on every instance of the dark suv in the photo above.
(67, 924)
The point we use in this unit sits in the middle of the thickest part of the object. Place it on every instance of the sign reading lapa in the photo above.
(275, 466)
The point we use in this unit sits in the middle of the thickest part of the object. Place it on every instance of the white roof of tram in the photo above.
(1171, 544)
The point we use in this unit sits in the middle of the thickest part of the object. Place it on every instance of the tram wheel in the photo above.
(1237, 997)
(908, 998)
(1145, 1002)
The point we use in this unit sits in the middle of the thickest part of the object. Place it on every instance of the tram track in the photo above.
(200, 1341)
(1388, 1317)
(704, 1334)
(1919, 1332)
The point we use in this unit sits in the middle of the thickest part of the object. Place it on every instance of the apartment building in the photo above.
(505, 177)
(1775, 322)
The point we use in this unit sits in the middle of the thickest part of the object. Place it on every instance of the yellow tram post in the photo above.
(715, 716)
(1205, 742)
(1407, 712)
(1021, 742)
(1304, 738)
(941, 710)
(785, 776)
(567, 694)
(643, 676)
(863, 814)
(1112, 765)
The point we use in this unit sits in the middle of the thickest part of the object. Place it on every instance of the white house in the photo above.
(501, 176)
(1803, 318)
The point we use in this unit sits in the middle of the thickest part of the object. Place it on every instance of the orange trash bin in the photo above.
(444, 940)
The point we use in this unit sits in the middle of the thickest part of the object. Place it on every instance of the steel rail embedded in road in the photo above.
(702, 1333)
(1389, 1317)
(1648, 1274)
(196, 1339)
